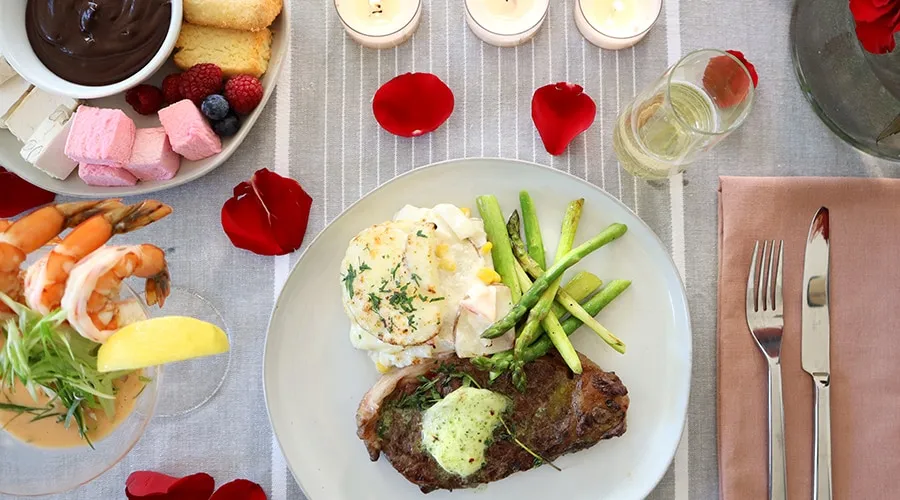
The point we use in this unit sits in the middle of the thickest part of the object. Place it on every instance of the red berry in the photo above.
(200, 81)
(145, 99)
(244, 93)
(171, 88)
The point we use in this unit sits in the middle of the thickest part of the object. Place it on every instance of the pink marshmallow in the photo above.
(102, 175)
(152, 157)
(188, 131)
(100, 136)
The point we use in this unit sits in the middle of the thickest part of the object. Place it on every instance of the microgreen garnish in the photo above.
(47, 356)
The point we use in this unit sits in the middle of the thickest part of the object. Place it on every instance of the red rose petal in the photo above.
(239, 489)
(413, 104)
(149, 485)
(17, 196)
(267, 215)
(876, 23)
(726, 82)
(560, 112)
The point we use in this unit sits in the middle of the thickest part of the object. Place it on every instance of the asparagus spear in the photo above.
(554, 331)
(580, 287)
(530, 266)
(502, 361)
(532, 230)
(530, 332)
(501, 253)
(611, 233)
(542, 307)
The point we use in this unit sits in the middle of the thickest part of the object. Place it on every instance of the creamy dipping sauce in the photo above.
(456, 430)
(48, 433)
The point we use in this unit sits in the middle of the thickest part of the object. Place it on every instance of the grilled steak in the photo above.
(559, 413)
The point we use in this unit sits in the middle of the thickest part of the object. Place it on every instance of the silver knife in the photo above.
(816, 346)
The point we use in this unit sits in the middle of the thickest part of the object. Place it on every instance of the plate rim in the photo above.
(683, 399)
(137, 190)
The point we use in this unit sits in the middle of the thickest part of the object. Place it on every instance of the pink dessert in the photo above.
(103, 175)
(152, 157)
(100, 137)
(188, 131)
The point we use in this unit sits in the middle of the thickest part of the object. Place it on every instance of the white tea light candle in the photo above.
(616, 24)
(506, 23)
(379, 24)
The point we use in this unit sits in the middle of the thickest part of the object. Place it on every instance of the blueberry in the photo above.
(214, 107)
(227, 127)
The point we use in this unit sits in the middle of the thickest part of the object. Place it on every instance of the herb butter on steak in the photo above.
(559, 413)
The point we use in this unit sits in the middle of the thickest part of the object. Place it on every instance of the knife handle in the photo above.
(777, 467)
(822, 450)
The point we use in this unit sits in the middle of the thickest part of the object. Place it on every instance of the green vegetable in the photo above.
(532, 230)
(46, 355)
(611, 233)
(554, 331)
(580, 287)
(566, 240)
(501, 253)
(578, 312)
(505, 360)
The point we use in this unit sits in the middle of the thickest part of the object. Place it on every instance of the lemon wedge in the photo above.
(158, 341)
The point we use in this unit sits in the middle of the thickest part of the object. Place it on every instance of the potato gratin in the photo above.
(423, 284)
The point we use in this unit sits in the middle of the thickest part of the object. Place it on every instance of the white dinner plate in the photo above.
(190, 170)
(314, 379)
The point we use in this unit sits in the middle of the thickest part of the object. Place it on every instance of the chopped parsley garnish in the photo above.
(420, 234)
(349, 278)
(363, 266)
(416, 278)
(375, 301)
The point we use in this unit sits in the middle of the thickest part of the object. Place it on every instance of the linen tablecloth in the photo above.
(319, 129)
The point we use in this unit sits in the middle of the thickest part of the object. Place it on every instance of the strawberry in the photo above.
(244, 93)
(145, 99)
(171, 88)
(200, 81)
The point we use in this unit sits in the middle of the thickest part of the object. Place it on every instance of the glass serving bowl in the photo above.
(26, 470)
(853, 92)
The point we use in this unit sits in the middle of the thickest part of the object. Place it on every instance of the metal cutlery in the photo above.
(816, 346)
(765, 318)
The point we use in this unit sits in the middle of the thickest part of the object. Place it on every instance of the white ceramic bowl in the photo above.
(17, 50)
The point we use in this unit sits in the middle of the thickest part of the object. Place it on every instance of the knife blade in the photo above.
(816, 330)
(816, 345)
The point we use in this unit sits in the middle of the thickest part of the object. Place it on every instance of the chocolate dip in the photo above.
(96, 42)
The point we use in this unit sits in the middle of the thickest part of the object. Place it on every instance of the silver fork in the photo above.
(765, 317)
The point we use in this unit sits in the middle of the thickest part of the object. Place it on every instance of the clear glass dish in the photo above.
(853, 92)
(26, 470)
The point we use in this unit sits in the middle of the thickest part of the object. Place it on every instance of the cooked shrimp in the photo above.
(92, 298)
(20, 238)
(45, 280)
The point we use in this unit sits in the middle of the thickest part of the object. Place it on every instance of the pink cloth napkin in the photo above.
(865, 335)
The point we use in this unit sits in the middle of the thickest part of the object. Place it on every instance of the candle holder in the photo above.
(616, 24)
(506, 23)
(379, 24)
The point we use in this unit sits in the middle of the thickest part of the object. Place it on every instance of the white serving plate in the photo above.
(190, 170)
(314, 379)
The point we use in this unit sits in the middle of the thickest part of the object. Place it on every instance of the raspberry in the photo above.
(170, 88)
(145, 99)
(200, 81)
(244, 93)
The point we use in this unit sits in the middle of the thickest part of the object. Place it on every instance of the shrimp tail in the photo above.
(128, 218)
(77, 212)
(157, 288)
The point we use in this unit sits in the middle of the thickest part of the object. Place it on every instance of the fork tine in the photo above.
(751, 280)
(761, 289)
(779, 302)
(770, 281)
